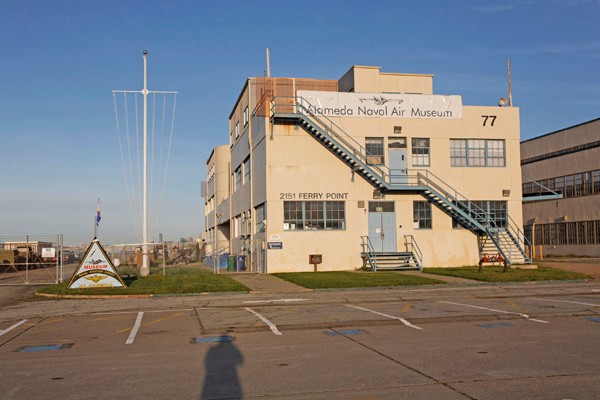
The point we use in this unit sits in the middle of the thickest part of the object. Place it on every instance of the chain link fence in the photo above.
(160, 254)
(243, 255)
(31, 259)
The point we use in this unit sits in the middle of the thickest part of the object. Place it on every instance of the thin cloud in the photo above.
(491, 9)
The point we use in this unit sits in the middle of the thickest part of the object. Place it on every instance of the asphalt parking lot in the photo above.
(535, 341)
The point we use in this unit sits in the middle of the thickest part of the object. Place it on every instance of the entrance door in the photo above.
(398, 160)
(382, 226)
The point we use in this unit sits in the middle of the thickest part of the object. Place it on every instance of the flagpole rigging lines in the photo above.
(159, 157)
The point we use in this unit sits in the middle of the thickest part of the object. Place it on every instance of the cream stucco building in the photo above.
(372, 169)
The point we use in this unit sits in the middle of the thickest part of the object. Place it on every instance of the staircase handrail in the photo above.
(415, 250)
(460, 201)
(521, 238)
(483, 217)
(368, 249)
(300, 105)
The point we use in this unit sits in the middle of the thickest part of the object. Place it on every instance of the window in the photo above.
(237, 130)
(420, 152)
(477, 153)
(374, 151)
(314, 215)
(495, 153)
(247, 170)
(578, 185)
(422, 215)
(569, 186)
(260, 218)
(246, 116)
(238, 178)
(482, 209)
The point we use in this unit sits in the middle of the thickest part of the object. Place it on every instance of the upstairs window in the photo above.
(477, 153)
(246, 116)
(374, 151)
(247, 170)
(420, 152)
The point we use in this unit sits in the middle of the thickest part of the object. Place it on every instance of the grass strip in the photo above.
(496, 274)
(346, 279)
(177, 281)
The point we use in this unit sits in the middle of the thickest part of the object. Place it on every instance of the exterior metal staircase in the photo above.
(507, 237)
(380, 261)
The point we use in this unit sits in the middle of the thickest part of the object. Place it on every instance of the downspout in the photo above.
(251, 161)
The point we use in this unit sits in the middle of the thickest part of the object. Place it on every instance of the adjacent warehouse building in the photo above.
(370, 169)
(566, 162)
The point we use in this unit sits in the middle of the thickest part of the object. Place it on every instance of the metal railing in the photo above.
(554, 195)
(351, 145)
(411, 246)
(477, 217)
(367, 250)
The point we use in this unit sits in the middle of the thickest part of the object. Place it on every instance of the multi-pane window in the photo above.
(422, 214)
(580, 184)
(238, 178)
(260, 218)
(477, 153)
(246, 116)
(247, 170)
(489, 212)
(374, 150)
(420, 152)
(314, 215)
(458, 153)
(569, 186)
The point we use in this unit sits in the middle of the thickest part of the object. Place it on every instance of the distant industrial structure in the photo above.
(566, 161)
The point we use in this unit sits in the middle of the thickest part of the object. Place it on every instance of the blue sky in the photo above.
(60, 60)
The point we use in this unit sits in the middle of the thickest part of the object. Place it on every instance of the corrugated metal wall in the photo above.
(267, 88)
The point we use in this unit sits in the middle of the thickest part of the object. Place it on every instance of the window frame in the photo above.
(474, 153)
(247, 171)
(420, 154)
(374, 143)
(422, 215)
(314, 215)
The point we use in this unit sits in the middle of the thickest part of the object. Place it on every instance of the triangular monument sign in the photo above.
(95, 270)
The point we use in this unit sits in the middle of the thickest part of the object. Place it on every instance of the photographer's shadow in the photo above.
(221, 364)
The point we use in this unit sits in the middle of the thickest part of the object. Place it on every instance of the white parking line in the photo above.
(565, 301)
(500, 311)
(266, 321)
(273, 301)
(136, 312)
(136, 326)
(12, 327)
(405, 322)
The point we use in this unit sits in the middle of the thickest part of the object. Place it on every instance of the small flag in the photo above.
(98, 214)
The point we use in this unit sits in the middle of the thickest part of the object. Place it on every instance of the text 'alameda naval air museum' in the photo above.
(369, 170)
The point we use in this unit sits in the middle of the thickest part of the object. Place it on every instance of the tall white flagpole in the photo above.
(145, 270)
(145, 267)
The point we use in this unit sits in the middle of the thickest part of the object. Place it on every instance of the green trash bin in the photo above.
(231, 263)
